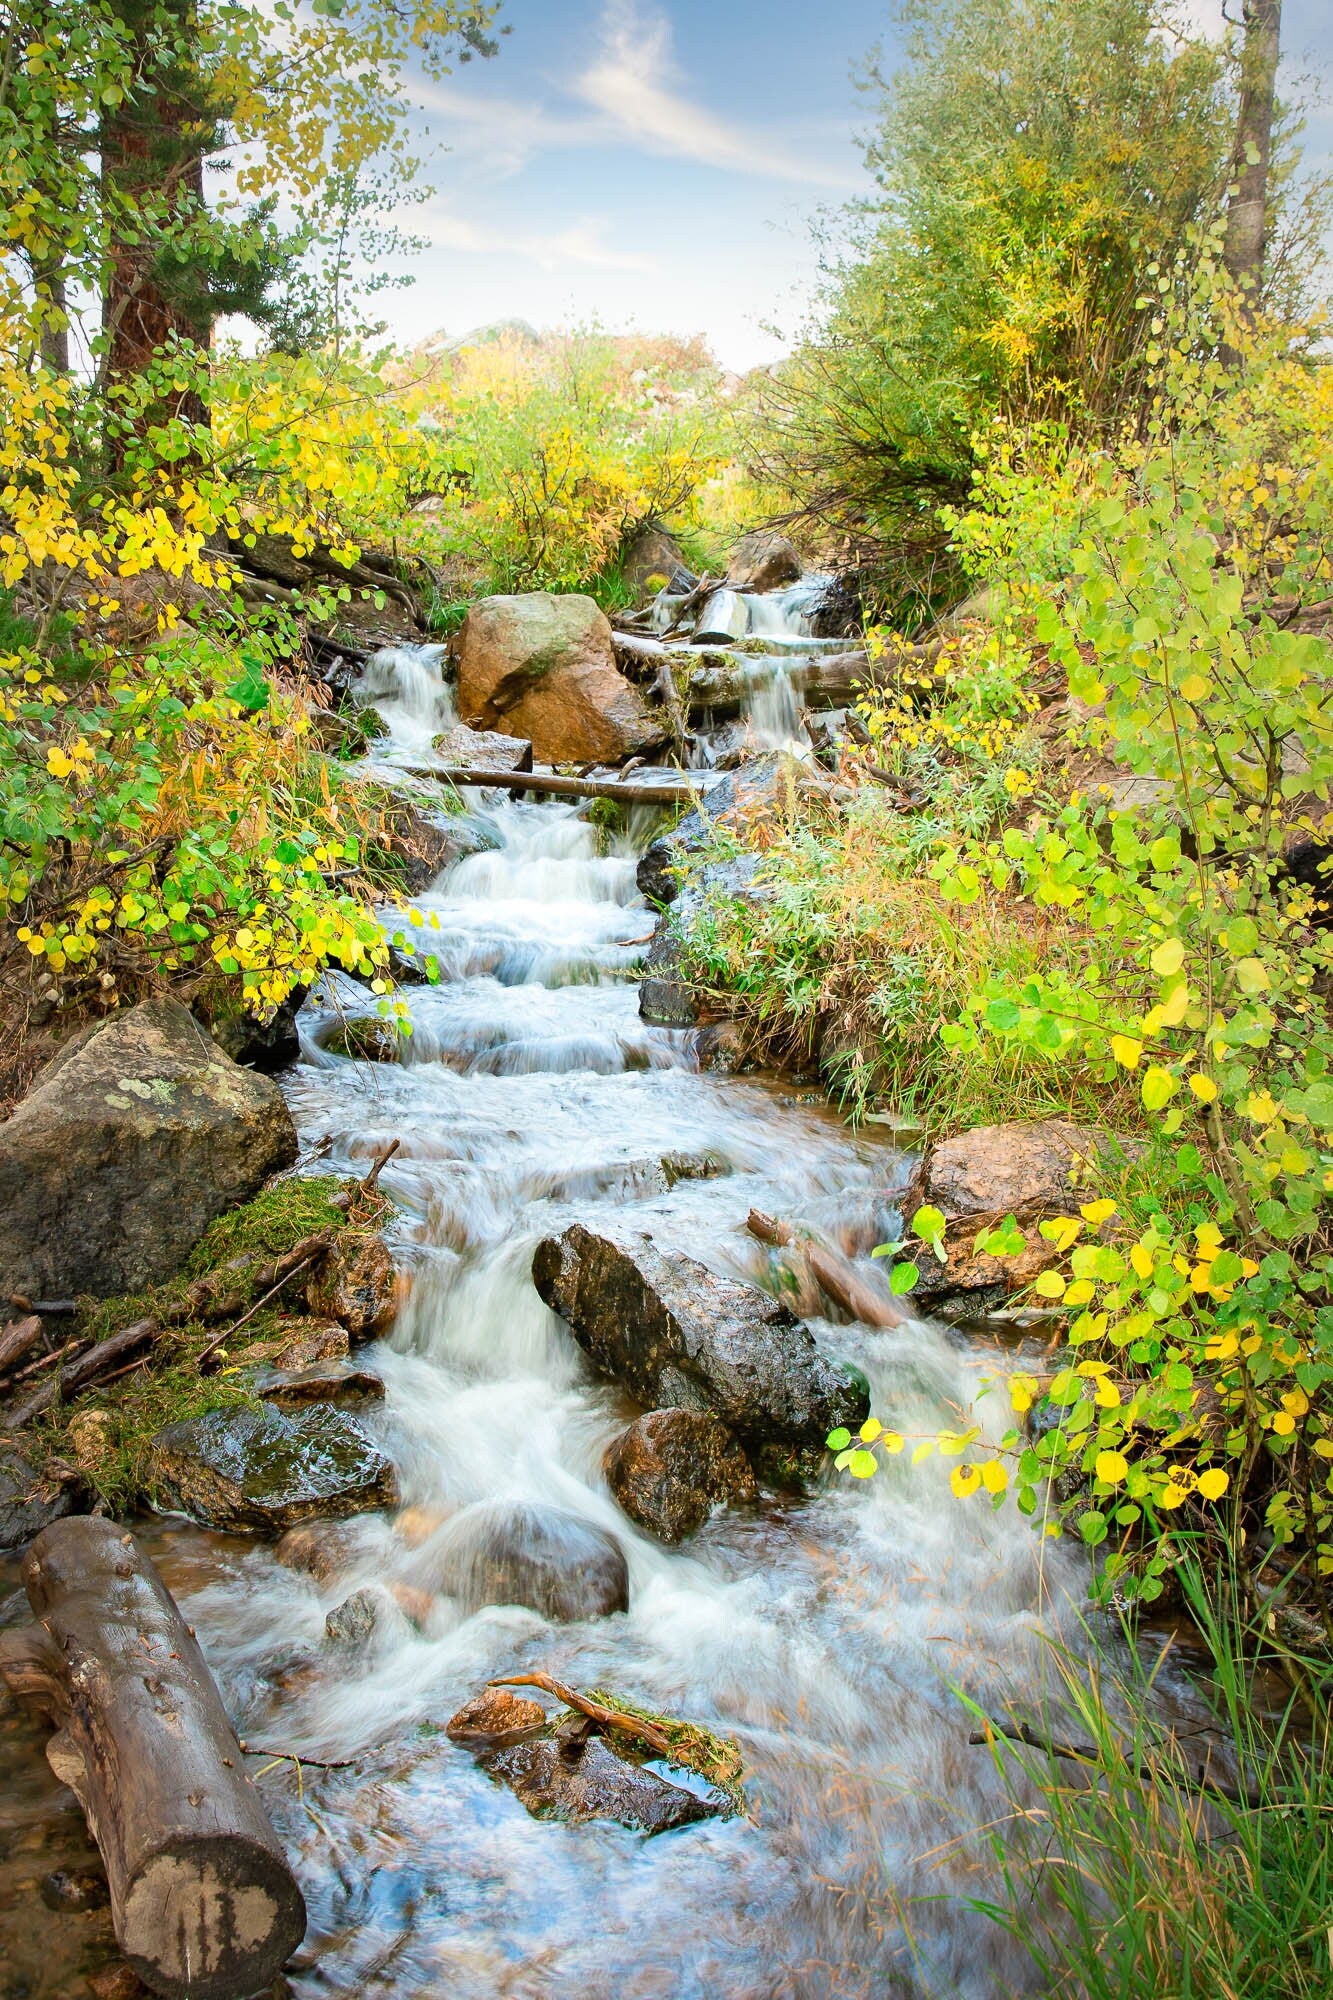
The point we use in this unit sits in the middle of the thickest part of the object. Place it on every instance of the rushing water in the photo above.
(831, 1634)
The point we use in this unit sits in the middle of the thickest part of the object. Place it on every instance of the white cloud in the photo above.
(635, 87)
(581, 242)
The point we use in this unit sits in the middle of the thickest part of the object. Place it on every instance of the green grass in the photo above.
(1125, 1880)
(172, 1389)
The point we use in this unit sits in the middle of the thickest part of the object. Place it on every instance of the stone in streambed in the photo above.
(363, 1620)
(516, 1552)
(754, 787)
(325, 1549)
(672, 1467)
(483, 749)
(260, 1471)
(340, 1385)
(558, 1779)
(137, 1136)
(356, 1284)
(678, 1336)
(363, 1038)
(496, 1717)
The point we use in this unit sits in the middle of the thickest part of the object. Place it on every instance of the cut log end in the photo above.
(210, 1918)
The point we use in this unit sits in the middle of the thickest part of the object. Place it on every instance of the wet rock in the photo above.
(506, 1552)
(76, 1889)
(653, 563)
(344, 1388)
(672, 1467)
(669, 994)
(496, 1717)
(137, 1135)
(356, 1284)
(764, 560)
(269, 1045)
(363, 1038)
(755, 787)
(595, 1783)
(693, 1167)
(325, 1549)
(834, 610)
(416, 1525)
(542, 666)
(421, 845)
(303, 1343)
(368, 1615)
(677, 1336)
(260, 1471)
(720, 1048)
(1029, 1171)
(483, 749)
(29, 1500)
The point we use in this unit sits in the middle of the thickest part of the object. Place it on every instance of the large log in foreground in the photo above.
(560, 788)
(204, 1903)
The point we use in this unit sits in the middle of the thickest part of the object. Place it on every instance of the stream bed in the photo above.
(830, 1633)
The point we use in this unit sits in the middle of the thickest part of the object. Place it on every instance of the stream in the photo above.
(831, 1634)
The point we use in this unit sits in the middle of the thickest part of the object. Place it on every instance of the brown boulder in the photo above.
(131, 1142)
(672, 1467)
(543, 666)
(356, 1284)
(1029, 1171)
(261, 1470)
(763, 560)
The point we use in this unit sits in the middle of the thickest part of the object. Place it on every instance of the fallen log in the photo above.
(638, 647)
(83, 1369)
(561, 788)
(18, 1340)
(204, 1903)
(834, 1273)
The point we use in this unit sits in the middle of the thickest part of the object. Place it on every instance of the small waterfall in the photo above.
(405, 687)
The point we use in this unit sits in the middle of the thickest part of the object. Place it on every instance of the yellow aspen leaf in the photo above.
(1204, 1088)
(1213, 1483)
(964, 1480)
(870, 1430)
(1296, 1401)
(1126, 1051)
(1097, 1212)
(1194, 687)
(1168, 958)
(1080, 1292)
(1112, 1468)
(891, 1442)
(1283, 1423)
(1108, 1396)
(1142, 1260)
(1050, 1285)
(1172, 1496)
(994, 1476)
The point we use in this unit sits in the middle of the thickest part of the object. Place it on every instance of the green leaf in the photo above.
(902, 1278)
(863, 1465)
(838, 1440)
(1004, 1015)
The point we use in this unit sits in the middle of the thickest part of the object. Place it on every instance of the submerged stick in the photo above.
(833, 1272)
(1147, 1771)
(609, 1718)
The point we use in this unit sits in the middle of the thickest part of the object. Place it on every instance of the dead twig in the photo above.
(608, 1718)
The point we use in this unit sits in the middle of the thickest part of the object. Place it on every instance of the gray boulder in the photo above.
(514, 1552)
(672, 1467)
(752, 788)
(669, 996)
(130, 1143)
(483, 749)
(542, 667)
(677, 1336)
(261, 1471)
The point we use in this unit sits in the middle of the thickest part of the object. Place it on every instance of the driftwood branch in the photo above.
(85, 1368)
(1146, 1770)
(606, 1718)
(834, 1273)
(683, 794)
(18, 1340)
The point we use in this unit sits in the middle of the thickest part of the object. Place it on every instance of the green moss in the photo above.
(716, 1759)
(169, 1387)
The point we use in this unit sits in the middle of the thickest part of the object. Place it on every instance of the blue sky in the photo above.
(658, 163)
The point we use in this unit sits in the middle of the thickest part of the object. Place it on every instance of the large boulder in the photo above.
(763, 560)
(483, 749)
(130, 1143)
(669, 996)
(672, 1467)
(260, 1471)
(678, 1336)
(515, 1552)
(420, 845)
(1030, 1171)
(542, 667)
